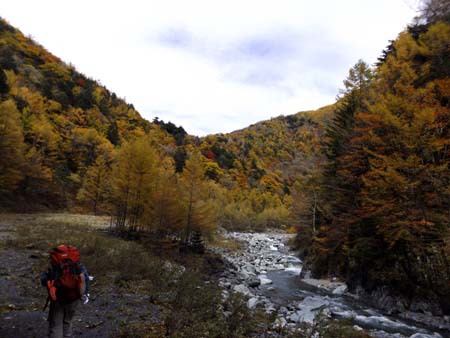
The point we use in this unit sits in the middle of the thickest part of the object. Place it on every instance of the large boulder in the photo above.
(264, 280)
(252, 302)
(253, 282)
(340, 290)
(241, 288)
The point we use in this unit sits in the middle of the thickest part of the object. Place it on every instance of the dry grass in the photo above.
(229, 244)
(11, 223)
(63, 218)
(106, 257)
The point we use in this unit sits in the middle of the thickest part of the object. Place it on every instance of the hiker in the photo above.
(67, 282)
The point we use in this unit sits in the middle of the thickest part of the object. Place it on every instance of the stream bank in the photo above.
(270, 275)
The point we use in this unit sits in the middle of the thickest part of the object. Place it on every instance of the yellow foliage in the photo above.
(11, 147)
(133, 179)
(199, 208)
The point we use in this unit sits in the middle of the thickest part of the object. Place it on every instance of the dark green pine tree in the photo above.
(329, 247)
(113, 133)
(338, 134)
(4, 88)
(353, 99)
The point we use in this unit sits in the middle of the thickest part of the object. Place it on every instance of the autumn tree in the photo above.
(41, 156)
(403, 201)
(164, 211)
(11, 147)
(96, 184)
(199, 210)
(253, 209)
(386, 216)
(133, 179)
(86, 144)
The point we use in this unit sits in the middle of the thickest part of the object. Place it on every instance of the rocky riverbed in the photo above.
(270, 275)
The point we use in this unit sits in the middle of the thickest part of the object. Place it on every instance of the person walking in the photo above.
(66, 282)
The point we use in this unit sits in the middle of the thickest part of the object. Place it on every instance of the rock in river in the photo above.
(242, 289)
(264, 280)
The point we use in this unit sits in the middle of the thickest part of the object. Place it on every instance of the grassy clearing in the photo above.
(63, 218)
(189, 304)
(106, 257)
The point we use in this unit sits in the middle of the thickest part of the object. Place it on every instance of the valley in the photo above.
(326, 223)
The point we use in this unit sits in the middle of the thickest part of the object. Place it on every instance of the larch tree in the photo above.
(133, 179)
(96, 184)
(164, 211)
(11, 147)
(199, 209)
(41, 155)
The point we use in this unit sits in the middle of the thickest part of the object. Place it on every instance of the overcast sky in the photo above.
(215, 66)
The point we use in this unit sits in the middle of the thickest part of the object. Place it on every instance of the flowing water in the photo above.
(269, 274)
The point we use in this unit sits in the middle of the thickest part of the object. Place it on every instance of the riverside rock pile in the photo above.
(266, 255)
(261, 254)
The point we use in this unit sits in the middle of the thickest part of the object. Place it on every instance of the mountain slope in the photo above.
(63, 121)
(270, 154)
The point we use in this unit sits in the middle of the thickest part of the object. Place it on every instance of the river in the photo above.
(269, 273)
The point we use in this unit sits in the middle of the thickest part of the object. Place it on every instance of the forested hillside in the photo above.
(261, 165)
(383, 200)
(55, 124)
(64, 133)
(68, 143)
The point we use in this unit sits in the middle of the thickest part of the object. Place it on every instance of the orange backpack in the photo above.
(64, 276)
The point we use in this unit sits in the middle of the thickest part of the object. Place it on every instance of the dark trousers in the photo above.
(60, 319)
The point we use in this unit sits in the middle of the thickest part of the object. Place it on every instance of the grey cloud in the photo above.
(176, 38)
(274, 59)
